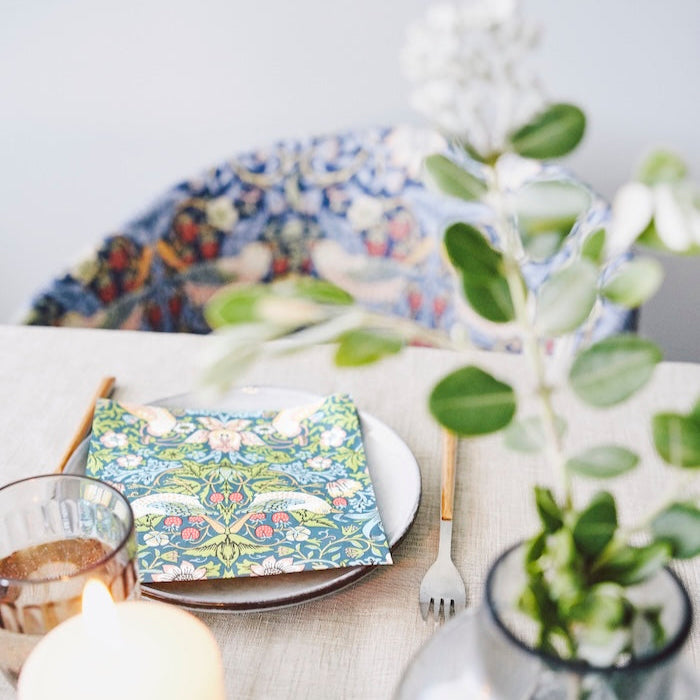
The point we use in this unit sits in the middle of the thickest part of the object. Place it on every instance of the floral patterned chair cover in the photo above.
(351, 208)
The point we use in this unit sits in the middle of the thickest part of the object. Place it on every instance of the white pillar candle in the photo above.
(135, 650)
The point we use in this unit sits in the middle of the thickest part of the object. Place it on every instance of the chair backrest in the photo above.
(351, 208)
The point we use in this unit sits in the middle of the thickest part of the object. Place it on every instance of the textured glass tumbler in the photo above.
(56, 532)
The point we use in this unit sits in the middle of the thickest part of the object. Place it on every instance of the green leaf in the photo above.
(546, 213)
(596, 525)
(650, 238)
(542, 246)
(679, 526)
(481, 267)
(543, 204)
(471, 253)
(613, 369)
(536, 601)
(561, 549)
(677, 438)
(362, 347)
(593, 246)
(527, 434)
(662, 166)
(548, 510)
(473, 153)
(472, 402)
(634, 282)
(603, 462)
(292, 302)
(535, 549)
(551, 134)
(602, 606)
(491, 300)
(630, 565)
(321, 291)
(566, 299)
(454, 180)
(235, 305)
(566, 585)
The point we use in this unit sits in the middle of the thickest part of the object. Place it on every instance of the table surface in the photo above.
(357, 642)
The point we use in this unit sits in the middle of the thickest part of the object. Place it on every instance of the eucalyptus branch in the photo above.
(532, 348)
(578, 550)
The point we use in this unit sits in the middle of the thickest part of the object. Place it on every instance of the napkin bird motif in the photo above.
(218, 494)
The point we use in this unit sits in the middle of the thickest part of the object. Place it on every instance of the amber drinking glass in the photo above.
(56, 532)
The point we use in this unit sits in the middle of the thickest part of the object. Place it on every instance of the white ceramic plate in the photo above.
(396, 478)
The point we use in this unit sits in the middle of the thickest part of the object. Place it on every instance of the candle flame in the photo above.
(99, 611)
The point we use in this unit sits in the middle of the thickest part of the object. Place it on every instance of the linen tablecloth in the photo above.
(355, 643)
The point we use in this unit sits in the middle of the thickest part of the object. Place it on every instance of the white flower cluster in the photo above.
(468, 64)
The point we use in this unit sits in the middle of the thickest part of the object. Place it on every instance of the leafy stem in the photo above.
(532, 347)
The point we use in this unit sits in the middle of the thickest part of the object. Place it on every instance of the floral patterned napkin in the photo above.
(218, 495)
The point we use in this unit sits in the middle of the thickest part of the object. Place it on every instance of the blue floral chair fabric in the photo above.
(351, 208)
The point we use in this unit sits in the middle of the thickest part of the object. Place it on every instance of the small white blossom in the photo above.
(514, 172)
(319, 463)
(293, 230)
(408, 147)
(185, 572)
(365, 212)
(112, 439)
(155, 538)
(468, 64)
(272, 566)
(129, 461)
(334, 437)
(221, 213)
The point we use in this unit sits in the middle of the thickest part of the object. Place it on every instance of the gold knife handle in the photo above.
(447, 478)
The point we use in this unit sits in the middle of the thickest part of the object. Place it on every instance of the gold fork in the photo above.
(442, 586)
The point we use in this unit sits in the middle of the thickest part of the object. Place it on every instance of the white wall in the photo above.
(104, 104)
(632, 64)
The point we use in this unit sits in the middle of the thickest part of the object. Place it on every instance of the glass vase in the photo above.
(649, 675)
(489, 653)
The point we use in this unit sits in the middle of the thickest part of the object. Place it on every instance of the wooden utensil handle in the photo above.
(449, 463)
(103, 390)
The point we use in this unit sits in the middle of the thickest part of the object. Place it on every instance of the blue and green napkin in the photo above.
(219, 494)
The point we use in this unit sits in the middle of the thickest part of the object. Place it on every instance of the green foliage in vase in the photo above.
(582, 563)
